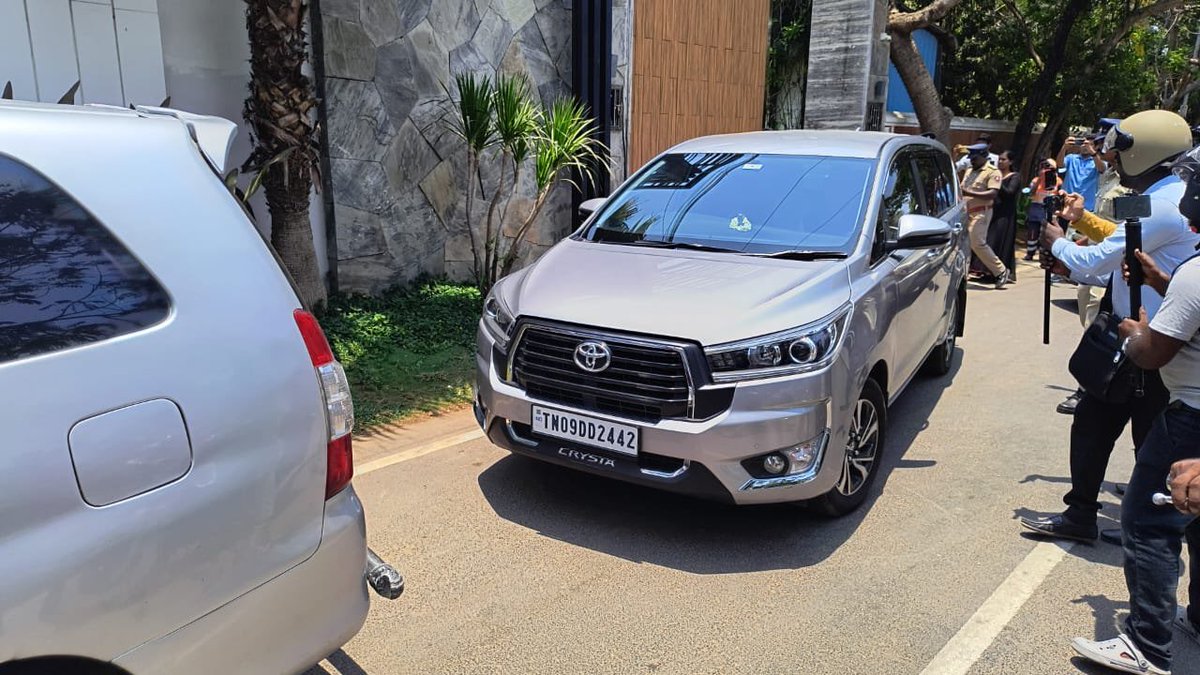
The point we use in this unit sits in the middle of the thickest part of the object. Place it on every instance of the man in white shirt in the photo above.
(1162, 136)
(1152, 534)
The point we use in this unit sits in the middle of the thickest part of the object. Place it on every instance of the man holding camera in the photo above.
(1145, 143)
(1152, 533)
(1083, 165)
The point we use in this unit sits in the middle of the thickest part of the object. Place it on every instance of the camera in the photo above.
(1132, 206)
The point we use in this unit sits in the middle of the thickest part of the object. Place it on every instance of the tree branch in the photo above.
(907, 22)
(1016, 12)
(1131, 21)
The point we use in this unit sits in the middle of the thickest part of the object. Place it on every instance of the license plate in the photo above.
(585, 430)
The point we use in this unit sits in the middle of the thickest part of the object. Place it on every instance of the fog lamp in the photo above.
(802, 456)
(775, 464)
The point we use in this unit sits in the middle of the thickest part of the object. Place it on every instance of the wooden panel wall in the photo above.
(699, 67)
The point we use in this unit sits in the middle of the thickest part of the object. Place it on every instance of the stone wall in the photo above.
(398, 175)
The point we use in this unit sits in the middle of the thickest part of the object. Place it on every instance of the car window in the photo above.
(949, 175)
(752, 203)
(938, 188)
(900, 198)
(64, 279)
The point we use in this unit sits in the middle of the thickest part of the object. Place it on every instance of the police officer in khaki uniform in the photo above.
(980, 185)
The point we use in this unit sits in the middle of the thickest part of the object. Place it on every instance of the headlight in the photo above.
(497, 320)
(800, 350)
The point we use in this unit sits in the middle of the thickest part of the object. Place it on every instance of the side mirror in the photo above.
(590, 206)
(917, 231)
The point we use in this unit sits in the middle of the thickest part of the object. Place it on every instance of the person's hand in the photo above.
(1072, 208)
(1154, 277)
(1082, 241)
(1051, 232)
(1088, 148)
(1128, 326)
(1184, 480)
(1071, 140)
(1055, 266)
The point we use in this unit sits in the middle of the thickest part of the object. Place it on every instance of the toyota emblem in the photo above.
(593, 356)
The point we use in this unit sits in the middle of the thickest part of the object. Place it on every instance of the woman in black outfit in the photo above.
(1002, 233)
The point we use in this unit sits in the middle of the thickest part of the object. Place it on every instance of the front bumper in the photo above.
(701, 458)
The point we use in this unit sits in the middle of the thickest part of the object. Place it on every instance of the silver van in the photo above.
(734, 322)
(175, 456)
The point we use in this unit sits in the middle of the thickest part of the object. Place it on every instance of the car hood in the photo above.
(710, 298)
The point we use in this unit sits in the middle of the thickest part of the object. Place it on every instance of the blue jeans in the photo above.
(1153, 535)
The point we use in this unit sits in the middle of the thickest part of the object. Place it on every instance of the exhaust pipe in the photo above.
(382, 577)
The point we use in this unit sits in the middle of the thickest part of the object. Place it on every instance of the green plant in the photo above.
(559, 140)
(565, 144)
(516, 124)
(408, 351)
(473, 122)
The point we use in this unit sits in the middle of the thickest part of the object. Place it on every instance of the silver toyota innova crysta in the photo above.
(734, 322)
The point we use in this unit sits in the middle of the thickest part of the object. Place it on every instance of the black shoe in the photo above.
(1058, 527)
(1067, 407)
(1112, 536)
(1120, 488)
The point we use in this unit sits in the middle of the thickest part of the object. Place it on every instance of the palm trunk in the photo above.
(472, 171)
(511, 257)
(498, 270)
(493, 236)
(287, 187)
(280, 110)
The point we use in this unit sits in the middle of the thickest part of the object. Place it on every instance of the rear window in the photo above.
(65, 280)
(751, 203)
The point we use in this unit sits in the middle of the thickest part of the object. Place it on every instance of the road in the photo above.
(517, 567)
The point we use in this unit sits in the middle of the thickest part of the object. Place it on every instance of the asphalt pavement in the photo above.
(513, 566)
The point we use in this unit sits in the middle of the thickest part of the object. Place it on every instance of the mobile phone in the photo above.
(1132, 206)
(1076, 142)
(1049, 178)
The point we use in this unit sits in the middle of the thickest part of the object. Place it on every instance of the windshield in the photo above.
(742, 203)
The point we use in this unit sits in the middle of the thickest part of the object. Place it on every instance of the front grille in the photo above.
(644, 381)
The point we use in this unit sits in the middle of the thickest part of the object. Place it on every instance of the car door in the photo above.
(940, 200)
(908, 271)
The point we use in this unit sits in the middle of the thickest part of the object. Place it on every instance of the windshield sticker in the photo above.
(752, 166)
(740, 223)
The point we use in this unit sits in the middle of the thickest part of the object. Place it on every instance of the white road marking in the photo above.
(418, 451)
(978, 633)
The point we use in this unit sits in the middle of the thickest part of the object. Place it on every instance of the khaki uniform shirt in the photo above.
(1110, 188)
(981, 180)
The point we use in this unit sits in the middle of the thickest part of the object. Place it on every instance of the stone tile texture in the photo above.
(399, 176)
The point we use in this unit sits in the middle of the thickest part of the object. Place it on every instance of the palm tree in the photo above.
(280, 112)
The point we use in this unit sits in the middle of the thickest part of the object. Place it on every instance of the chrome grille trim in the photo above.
(619, 340)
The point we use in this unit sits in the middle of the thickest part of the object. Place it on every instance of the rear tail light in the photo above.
(339, 408)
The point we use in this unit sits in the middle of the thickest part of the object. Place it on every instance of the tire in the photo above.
(863, 454)
(941, 359)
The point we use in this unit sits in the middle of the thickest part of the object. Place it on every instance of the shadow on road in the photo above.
(645, 525)
(342, 664)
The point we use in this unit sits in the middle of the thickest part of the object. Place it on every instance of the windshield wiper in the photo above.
(678, 245)
(796, 254)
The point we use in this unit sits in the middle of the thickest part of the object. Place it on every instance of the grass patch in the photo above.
(407, 352)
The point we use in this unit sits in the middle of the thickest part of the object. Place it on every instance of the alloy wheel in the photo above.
(862, 448)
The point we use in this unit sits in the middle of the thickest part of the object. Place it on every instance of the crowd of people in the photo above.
(1148, 154)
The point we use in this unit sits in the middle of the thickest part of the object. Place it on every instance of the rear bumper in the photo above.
(287, 624)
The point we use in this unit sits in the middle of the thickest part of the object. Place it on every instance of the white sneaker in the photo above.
(1185, 626)
(1118, 653)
